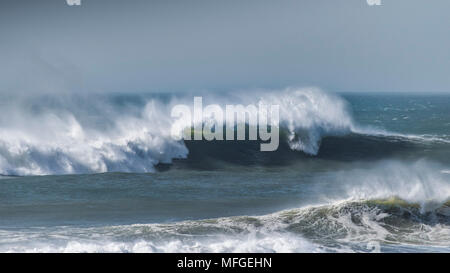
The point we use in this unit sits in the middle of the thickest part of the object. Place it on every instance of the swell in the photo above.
(345, 226)
(96, 134)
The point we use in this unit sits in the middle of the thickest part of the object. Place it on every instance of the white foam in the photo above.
(65, 139)
(161, 238)
(101, 137)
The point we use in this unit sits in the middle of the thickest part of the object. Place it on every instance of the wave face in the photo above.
(96, 134)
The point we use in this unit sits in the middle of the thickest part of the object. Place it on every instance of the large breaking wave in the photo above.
(95, 134)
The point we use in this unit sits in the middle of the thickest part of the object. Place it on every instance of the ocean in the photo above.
(100, 173)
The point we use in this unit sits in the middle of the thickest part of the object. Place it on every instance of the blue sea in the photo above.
(101, 173)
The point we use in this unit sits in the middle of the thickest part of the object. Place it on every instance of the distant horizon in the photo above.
(220, 91)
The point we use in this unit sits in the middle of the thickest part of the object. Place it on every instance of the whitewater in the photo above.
(96, 134)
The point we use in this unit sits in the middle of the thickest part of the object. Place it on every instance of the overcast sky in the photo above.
(168, 45)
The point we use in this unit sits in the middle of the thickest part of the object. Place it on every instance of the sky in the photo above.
(185, 45)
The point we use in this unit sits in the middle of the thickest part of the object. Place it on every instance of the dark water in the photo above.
(102, 176)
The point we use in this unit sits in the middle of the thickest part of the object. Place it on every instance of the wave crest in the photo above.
(96, 134)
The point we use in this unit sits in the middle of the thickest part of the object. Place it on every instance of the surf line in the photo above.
(210, 122)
